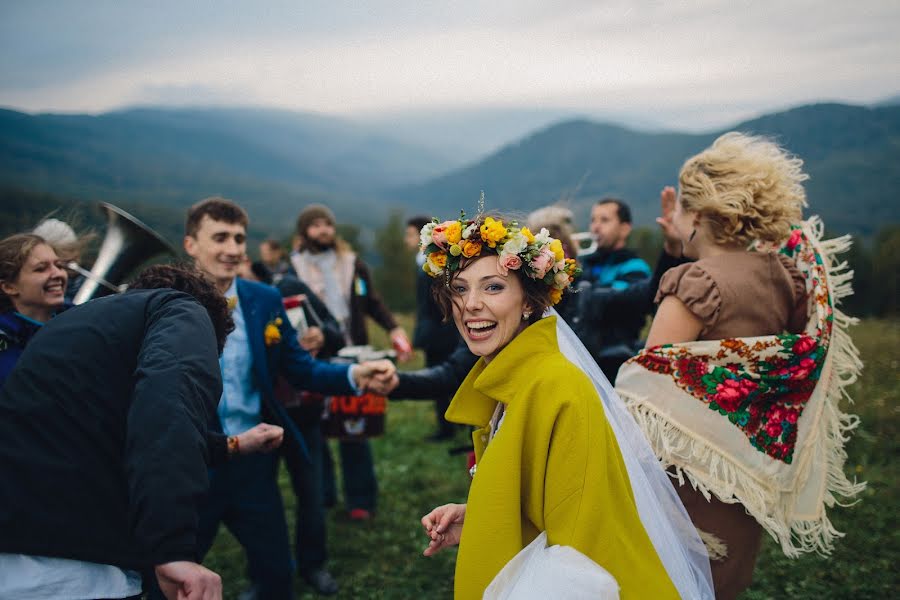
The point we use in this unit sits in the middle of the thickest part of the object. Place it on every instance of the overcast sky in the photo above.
(684, 65)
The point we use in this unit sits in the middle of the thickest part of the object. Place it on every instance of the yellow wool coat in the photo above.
(553, 466)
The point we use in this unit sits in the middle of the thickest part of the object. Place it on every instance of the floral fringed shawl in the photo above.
(757, 420)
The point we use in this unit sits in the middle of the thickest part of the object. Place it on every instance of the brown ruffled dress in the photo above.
(739, 294)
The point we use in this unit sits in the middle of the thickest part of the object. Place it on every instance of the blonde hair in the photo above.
(746, 187)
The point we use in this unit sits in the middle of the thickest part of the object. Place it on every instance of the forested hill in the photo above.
(272, 162)
(851, 153)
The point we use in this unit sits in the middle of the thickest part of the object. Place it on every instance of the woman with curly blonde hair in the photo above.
(741, 191)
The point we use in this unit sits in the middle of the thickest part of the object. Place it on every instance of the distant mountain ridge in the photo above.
(851, 153)
(273, 162)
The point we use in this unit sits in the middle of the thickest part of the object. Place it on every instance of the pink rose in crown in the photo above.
(791, 416)
(773, 429)
(507, 262)
(439, 235)
(794, 239)
(803, 345)
(542, 263)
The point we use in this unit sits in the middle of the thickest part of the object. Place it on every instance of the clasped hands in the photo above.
(374, 376)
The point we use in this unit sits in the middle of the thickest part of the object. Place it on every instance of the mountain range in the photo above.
(851, 153)
(273, 162)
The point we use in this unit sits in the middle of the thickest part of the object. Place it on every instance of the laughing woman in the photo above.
(551, 457)
(32, 289)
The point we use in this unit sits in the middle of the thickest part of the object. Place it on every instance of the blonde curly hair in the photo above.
(746, 187)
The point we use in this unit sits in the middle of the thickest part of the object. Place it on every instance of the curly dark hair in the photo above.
(537, 293)
(186, 278)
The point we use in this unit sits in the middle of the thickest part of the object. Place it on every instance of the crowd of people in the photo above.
(134, 425)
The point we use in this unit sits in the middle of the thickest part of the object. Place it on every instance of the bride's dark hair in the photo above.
(537, 293)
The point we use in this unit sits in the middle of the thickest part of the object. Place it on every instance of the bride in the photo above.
(556, 451)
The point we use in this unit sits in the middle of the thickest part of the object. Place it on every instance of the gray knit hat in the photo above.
(310, 214)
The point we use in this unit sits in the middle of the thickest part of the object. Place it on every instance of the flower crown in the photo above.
(540, 256)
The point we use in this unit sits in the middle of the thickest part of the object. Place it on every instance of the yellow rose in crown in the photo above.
(272, 333)
(471, 248)
(492, 231)
(453, 232)
(439, 259)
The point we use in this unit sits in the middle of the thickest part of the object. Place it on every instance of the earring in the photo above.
(693, 233)
(526, 316)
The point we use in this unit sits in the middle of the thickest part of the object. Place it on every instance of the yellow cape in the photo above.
(554, 466)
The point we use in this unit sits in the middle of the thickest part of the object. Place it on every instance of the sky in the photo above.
(689, 66)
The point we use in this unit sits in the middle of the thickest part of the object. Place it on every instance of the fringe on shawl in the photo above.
(676, 448)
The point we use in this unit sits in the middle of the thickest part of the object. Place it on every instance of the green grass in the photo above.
(383, 558)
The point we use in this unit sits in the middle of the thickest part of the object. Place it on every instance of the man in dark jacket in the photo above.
(432, 334)
(616, 290)
(104, 424)
(611, 311)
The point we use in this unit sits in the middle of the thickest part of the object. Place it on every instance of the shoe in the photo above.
(360, 514)
(321, 581)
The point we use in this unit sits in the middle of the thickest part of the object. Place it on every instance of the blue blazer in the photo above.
(261, 305)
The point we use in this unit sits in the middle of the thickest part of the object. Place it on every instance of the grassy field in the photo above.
(382, 558)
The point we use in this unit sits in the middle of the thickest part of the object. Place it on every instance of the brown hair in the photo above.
(14, 251)
(186, 278)
(218, 209)
(537, 293)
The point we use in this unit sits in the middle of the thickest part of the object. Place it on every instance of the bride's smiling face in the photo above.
(487, 306)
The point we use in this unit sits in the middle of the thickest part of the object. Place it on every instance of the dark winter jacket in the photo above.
(104, 423)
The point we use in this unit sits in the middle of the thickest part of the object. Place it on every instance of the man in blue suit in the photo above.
(244, 492)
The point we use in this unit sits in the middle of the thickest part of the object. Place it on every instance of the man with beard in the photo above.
(328, 265)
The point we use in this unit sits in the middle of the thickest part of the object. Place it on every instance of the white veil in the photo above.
(667, 523)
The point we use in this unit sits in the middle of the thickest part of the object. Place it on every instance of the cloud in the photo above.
(700, 62)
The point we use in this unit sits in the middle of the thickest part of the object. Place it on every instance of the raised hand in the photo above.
(443, 526)
(184, 580)
(672, 241)
(400, 342)
(261, 438)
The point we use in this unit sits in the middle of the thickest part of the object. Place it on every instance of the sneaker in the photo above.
(360, 514)
(321, 581)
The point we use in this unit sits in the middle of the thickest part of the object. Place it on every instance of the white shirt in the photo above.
(25, 577)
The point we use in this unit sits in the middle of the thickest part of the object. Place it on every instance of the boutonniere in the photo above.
(272, 333)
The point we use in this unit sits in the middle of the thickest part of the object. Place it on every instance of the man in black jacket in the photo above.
(437, 338)
(617, 289)
(104, 455)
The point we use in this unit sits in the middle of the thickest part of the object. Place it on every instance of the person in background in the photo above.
(104, 424)
(32, 289)
(436, 337)
(611, 309)
(327, 264)
(244, 492)
(68, 246)
(274, 259)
